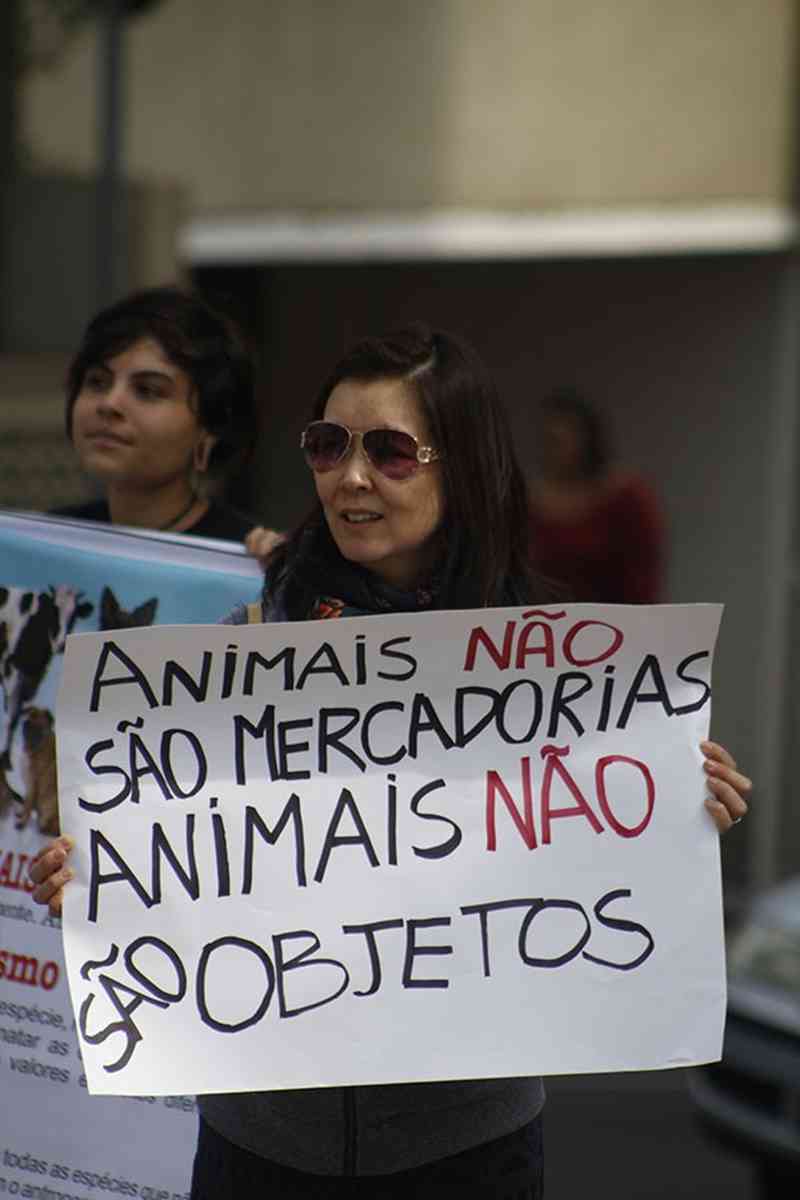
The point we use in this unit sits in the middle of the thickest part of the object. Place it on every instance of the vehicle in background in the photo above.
(751, 1099)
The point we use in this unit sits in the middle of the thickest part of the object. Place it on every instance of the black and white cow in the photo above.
(33, 629)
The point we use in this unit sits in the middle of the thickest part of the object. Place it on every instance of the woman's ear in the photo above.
(202, 452)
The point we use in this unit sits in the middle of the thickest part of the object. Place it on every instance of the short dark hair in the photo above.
(486, 535)
(569, 403)
(202, 341)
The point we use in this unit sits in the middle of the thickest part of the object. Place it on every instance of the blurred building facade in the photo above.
(599, 195)
(320, 106)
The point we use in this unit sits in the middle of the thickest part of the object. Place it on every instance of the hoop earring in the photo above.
(202, 453)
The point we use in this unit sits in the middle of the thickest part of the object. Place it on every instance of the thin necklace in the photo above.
(183, 513)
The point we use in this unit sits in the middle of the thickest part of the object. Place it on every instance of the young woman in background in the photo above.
(160, 399)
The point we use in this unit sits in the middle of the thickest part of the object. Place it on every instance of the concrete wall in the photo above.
(369, 104)
(38, 469)
(48, 227)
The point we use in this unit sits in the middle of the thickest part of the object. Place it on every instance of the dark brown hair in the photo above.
(195, 337)
(485, 535)
(568, 404)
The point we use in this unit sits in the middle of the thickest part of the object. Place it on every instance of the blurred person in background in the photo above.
(421, 506)
(597, 530)
(161, 401)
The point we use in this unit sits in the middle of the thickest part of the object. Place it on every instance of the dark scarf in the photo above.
(308, 579)
(338, 588)
(351, 592)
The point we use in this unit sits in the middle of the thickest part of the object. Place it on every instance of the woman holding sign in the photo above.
(421, 505)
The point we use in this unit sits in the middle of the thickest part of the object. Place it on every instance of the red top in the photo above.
(610, 552)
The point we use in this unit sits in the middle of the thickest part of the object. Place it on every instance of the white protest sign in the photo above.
(391, 848)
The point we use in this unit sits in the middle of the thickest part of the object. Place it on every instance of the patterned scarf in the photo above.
(351, 591)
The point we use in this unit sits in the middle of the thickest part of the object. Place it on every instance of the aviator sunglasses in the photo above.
(396, 454)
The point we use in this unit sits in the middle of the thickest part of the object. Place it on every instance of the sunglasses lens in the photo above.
(392, 452)
(324, 444)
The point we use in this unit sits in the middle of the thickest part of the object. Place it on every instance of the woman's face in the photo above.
(134, 423)
(386, 525)
(562, 443)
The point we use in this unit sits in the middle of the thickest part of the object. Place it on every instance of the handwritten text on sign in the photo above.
(446, 845)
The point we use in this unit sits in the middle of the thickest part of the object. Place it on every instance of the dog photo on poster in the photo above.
(58, 578)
